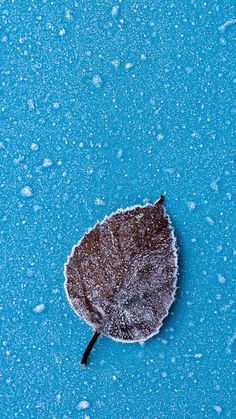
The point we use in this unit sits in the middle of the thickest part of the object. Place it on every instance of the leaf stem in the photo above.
(161, 200)
(89, 347)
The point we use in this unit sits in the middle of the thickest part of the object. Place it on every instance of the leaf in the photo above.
(121, 276)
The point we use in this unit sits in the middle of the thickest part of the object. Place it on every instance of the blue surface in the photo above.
(88, 135)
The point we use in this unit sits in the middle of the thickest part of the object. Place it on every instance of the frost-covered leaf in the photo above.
(121, 277)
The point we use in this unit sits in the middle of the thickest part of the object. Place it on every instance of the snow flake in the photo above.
(221, 279)
(116, 63)
(218, 409)
(115, 10)
(128, 66)
(84, 404)
(62, 32)
(31, 104)
(191, 205)
(47, 162)
(39, 308)
(99, 202)
(160, 137)
(97, 80)
(34, 147)
(26, 191)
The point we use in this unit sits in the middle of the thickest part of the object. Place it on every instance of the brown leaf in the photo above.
(121, 277)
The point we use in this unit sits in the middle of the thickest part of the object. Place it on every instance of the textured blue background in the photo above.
(104, 108)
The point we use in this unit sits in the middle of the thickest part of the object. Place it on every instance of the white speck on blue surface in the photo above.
(84, 404)
(128, 66)
(97, 80)
(115, 10)
(116, 63)
(39, 308)
(47, 162)
(89, 86)
(27, 191)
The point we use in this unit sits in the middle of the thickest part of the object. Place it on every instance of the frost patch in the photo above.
(97, 80)
(218, 409)
(31, 104)
(58, 397)
(47, 162)
(225, 25)
(84, 404)
(99, 202)
(115, 11)
(198, 356)
(221, 279)
(68, 14)
(56, 105)
(26, 191)
(191, 205)
(39, 308)
(62, 32)
(116, 63)
(210, 220)
(160, 137)
(34, 147)
(128, 66)
(215, 186)
(119, 153)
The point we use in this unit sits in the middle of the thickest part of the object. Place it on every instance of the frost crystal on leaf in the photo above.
(121, 277)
